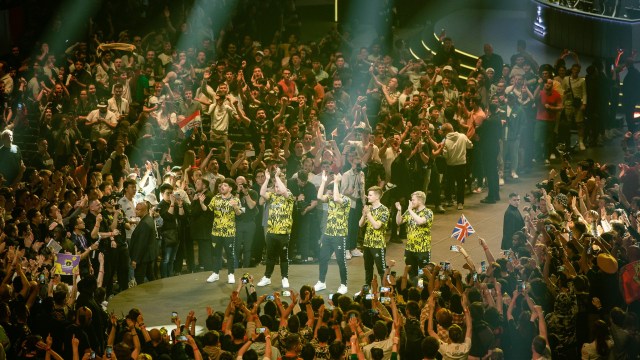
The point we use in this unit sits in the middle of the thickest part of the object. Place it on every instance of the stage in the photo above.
(191, 292)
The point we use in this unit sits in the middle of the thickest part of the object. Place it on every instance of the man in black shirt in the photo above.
(305, 194)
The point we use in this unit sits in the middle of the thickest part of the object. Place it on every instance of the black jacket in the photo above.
(143, 241)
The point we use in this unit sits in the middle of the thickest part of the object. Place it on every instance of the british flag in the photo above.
(462, 229)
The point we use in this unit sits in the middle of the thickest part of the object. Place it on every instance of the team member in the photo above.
(225, 208)
(419, 219)
(279, 222)
(335, 234)
(375, 216)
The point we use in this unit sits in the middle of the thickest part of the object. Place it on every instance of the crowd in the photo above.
(172, 148)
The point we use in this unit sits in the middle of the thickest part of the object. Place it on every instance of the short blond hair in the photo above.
(420, 195)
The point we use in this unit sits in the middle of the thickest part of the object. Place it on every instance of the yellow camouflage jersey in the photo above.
(224, 217)
(338, 217)
(280, 213)
(375, 238)
(418, 236)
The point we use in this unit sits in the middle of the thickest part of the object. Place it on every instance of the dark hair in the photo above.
(430, 346)
(377, 353)
(164, 187)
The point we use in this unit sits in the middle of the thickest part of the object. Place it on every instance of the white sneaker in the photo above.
(547, 162)
(581, 145)
(213, 277)
(264, 281)
(285, 283)
(356, 253)
(552, 156)
(231, 279)
(501, 181)
(320, 286)
(514, 175)
(347, 255)
(342, 289)
(333, 256)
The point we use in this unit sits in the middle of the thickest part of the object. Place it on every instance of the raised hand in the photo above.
(398, 206)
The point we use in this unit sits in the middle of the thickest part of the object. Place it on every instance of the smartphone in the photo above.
(443, 277)
(353, 316)
(249, 153)
(385, 299)
(365, 288)
(454, 248)
(41, 278)
(260, 330)
(369, 297)
(520, 286)
(561, 268)
(182, 338)
(286, 293)
(384, 289)
(270, 298)
(331, 297)
(507, 252)
(420, 272)
(93, 355)
(109, 351)
(523, 287)
(174, 316)
(245, 279)
(447, 266)
(421, 283)
(483, 266)
(475, 277)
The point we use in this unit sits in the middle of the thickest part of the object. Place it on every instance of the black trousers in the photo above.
(205, 253)
(373, 256)
(328, 246)
(245, 233)
(116, 262)
(143, 270)
(455, 180)
(417, 260)
(227, 244)
(490, 164)
(277, 247)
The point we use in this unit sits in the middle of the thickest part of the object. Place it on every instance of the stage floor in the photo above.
(191, 292)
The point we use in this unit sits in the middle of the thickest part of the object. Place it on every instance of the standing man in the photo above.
(245, 222)
(305, 195)
(513, 221)
(170, 240)
(375, 217)
(143, 245)
(454, 149)
(548, 106)
(279, 222)
(225, 208)
(353, 186)
(334, 239)
(419, 218)
(490, 132)
(630, 93)
(202, 223)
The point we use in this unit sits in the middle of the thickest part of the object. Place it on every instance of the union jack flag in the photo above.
(462, 229)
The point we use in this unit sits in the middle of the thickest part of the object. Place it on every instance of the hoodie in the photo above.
(455, 148)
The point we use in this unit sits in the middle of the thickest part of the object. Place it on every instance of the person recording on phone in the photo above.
(279, 223)
(418, 218)
(334, 239)
(245, 222)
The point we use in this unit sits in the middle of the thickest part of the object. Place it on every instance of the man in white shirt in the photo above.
(117, 104)
(102, 122)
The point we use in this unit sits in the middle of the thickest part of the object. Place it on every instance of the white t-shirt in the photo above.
(455, 351)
